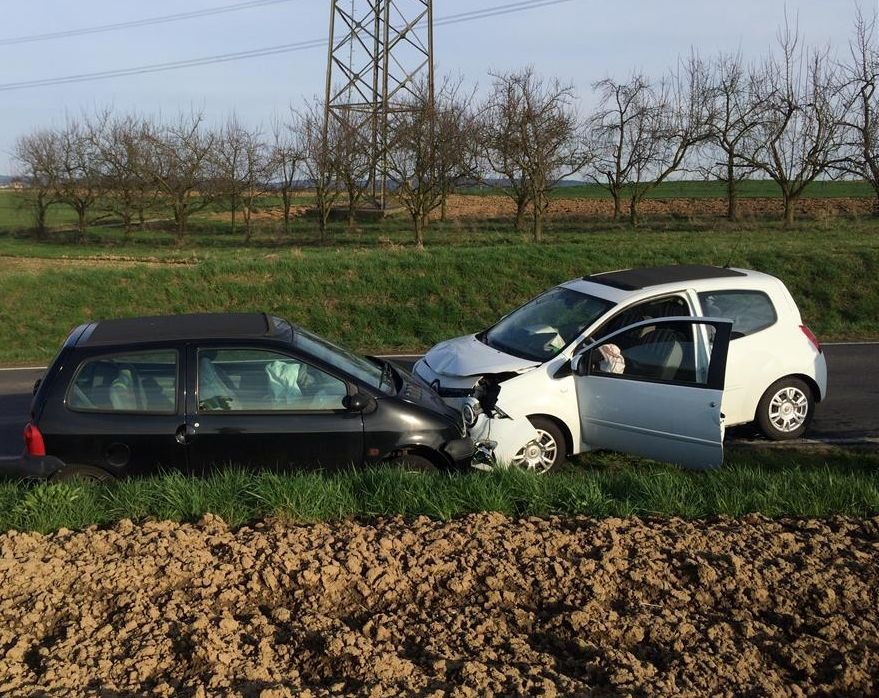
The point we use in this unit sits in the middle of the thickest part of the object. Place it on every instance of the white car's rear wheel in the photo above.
(785, 410)
(545, 452)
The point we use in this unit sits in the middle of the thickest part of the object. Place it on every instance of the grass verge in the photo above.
(768, 482)
(398, 298)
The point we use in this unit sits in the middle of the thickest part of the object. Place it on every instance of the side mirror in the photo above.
(579, 364)
(358, 402)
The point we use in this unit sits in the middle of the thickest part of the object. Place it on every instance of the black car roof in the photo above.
(636, 279)
(190, 326)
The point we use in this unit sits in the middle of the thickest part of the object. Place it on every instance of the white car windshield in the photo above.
(541, 328)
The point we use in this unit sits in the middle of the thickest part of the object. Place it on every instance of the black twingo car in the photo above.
(195, 392)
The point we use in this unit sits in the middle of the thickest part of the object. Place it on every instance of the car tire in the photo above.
(86, 473)
(549, 451)
(786, 409)
(414, 463)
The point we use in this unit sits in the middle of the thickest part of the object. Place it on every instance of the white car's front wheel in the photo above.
(545, 452)
(785, 410)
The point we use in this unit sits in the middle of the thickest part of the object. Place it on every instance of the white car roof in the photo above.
(629, 284)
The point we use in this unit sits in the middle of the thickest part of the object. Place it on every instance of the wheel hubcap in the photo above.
(538, 455)
(788, 409)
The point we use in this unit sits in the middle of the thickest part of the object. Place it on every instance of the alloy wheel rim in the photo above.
(788, 409)
(537, 455)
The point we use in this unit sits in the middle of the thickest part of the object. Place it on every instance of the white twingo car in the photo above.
(654, 361)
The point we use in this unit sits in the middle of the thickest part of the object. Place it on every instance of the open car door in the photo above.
(654, 389)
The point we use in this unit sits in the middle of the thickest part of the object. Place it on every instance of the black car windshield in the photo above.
(541, 328)
(349, 362)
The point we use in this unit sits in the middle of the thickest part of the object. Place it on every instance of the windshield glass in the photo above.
(540, 329)
(344, 360)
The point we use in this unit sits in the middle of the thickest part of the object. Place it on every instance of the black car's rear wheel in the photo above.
(87, 473)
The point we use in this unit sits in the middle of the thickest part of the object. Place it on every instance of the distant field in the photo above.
(15, 216)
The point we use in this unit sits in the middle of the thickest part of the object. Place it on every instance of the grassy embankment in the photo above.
(396, 298)
(774, 483)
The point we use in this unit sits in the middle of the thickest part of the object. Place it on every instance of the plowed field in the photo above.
(477, 606)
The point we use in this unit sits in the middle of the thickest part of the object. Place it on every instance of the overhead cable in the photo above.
(508, 8)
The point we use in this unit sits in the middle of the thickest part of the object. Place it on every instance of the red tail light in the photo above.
(811, 336)
(33, 441)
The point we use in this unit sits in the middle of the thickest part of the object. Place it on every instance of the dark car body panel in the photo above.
(190, 440)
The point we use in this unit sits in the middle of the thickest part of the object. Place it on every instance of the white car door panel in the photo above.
(664, 400)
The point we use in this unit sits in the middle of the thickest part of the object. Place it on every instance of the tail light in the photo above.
(33, 441)
(811, 337)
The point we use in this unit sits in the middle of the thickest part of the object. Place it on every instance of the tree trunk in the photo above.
(444, 207)
(521, 205)
(234, 206)
(288, 202)
(617, 204)
(789, 205)
(732, 194)
(418, 221)
(352, 204)
(247, 227)
(80, 225)
(633, 212)
(180, 220)
(40, 211)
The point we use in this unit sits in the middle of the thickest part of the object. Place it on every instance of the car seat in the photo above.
(123, 391)
(661, 349)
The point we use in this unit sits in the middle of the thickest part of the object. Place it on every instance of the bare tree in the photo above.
(179, 166)
(123, 165)
(255, 173)
(316, 145)
(353, 156)
(640, 135)
(735, 113)
(76, 179)
(428, 150)
(284, 163)
(799, 132)
(619, 134)
(35, 157)
(860, 149)
(229, 161)
(531, 137)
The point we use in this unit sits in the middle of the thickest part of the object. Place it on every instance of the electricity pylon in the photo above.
(379, 50)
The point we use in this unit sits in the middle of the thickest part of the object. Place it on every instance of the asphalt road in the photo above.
(849, 415)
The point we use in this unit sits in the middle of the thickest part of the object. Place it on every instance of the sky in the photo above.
(578, 41)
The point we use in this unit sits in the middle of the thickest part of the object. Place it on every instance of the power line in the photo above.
(497, 10)
(148, 21)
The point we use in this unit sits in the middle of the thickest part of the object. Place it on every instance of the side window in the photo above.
(666, 352)
(254, 380)
(668, 306)
(750, 311)
(143, 382)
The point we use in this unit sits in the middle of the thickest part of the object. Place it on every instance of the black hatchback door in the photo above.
(263, 407)
(119, 411)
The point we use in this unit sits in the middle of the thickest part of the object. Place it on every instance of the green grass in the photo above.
(772, 482)
(397, 298)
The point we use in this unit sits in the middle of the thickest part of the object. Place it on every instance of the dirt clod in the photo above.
(483, 605)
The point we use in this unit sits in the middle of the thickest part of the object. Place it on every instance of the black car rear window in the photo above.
(137, 382)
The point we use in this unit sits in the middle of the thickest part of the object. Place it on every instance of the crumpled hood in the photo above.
(467, 356)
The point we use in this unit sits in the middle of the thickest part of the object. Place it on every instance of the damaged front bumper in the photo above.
(498, 439)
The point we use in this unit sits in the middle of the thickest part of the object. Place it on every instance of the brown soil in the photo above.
(472, 206)
(479, 606)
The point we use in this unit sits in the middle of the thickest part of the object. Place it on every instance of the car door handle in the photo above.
(184, 433)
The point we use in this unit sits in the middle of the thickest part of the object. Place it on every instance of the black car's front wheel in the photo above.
(545, 452)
